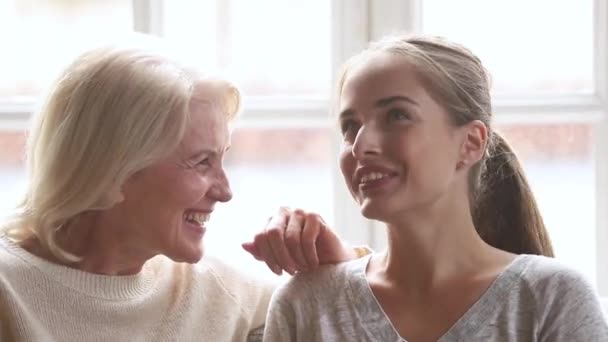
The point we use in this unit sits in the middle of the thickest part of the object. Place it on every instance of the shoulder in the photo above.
(549, 276)
(11, 265)
(234, 280)
(329, 282)
(323, 303)
(242, 288)
(564, 299)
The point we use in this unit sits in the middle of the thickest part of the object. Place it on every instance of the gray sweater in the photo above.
(534, 299)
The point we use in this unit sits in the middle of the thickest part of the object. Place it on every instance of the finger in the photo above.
(280, 218)
(266, 254)
(250, 248)
(275, 232)
(310, 233)
(276, 241)
(293, 235)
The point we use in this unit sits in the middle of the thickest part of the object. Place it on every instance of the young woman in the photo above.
(468, 254)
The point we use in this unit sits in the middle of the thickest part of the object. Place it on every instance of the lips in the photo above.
(195, 222)
(195, 229)
(197, 217)
(372, 174)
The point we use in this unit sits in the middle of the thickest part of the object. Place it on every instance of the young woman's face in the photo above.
(166, 205)
(399, 151)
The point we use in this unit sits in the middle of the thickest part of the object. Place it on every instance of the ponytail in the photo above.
(505, 212)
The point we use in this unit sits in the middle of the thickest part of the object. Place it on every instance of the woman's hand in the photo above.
(294, 241)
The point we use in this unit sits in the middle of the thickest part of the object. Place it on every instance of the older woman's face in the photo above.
(167, 205)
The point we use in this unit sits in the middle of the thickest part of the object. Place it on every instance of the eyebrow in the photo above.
(397, 98)
(199, 153)
(383, 102)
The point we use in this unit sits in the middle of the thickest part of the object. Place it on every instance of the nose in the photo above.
(367, 142)
(221, 191)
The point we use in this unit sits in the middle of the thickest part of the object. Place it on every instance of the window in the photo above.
(12, 173)
(532, 48)
(559, 163)
(548, 60)
(43, 36)
(269, 47)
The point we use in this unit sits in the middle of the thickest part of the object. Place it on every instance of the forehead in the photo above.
(379, 75)
(207, 126)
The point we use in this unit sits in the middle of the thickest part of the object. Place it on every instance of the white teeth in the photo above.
(199, 218)
(372, 176)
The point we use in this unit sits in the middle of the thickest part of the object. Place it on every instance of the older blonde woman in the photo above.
(125, 168)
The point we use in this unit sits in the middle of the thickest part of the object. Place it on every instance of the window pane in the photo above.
(540, 46)
(558, 161)
(269, 47)
(40, 36)
(270, 167)
(12, 174)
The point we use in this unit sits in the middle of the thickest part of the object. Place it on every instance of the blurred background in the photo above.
(548, 60)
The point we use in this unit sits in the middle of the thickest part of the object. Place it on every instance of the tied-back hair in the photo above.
(503, 207)
(113, 111)
(505, 212)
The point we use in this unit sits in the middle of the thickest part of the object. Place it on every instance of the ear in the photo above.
(474, 144)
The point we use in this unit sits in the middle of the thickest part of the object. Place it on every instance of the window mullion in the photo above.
(600, 73)
(350, 34)
(148, 16)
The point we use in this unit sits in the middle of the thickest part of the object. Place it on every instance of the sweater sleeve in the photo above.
(575, 313)
(280, 322)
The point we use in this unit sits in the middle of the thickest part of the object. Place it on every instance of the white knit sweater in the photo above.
(166, 301)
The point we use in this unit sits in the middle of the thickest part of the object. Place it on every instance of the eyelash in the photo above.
(398, 114)
(395, 114)
(346, 126)
(204, 162)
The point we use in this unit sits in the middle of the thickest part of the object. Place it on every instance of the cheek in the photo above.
(195, 188)
(347, 165)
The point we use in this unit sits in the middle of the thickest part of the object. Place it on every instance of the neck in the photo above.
(100, 245)
(436, 247)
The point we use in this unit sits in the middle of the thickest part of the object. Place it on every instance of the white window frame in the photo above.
(354, 24)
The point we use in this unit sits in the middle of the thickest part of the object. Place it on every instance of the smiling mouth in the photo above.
(197, 218)
(374, 182)
(373, 176)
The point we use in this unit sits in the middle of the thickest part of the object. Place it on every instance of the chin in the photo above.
(372, 212)
(188, 254)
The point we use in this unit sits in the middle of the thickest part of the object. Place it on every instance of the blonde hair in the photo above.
(504, 210)
(112, 112)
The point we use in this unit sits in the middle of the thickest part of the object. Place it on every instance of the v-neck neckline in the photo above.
(475, 316)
